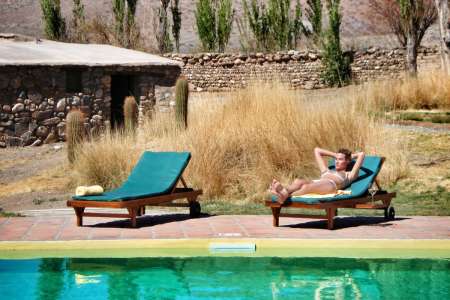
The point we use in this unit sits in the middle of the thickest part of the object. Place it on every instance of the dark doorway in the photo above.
(121, 87)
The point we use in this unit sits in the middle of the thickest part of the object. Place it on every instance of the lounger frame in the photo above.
(136, 207)
(381, 200)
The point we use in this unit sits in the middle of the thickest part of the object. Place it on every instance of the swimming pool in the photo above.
(224, 278)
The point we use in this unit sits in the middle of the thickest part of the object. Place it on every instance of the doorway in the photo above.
(121, 87)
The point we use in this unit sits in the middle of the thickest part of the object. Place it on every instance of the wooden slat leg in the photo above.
(331, 212)
(276, 216)
(79, 212)
(133, 213)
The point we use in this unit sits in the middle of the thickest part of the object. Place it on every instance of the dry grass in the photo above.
(54, 179)
(429, 90)
(106, 161)
(239, 145)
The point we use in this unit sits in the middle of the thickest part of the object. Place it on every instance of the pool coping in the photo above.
(282, 247)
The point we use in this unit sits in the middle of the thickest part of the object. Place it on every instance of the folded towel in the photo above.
(88, 190)
(313, 195)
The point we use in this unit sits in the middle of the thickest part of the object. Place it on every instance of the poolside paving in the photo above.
(177, 225)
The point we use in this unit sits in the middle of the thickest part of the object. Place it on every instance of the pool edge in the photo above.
(364, 248)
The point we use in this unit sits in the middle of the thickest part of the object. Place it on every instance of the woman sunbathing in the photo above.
(330, 180)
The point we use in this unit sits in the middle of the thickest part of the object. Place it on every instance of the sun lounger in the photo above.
(358, 198)
(153, 181)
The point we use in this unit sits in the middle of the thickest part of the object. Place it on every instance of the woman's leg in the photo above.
(318, 187)
(284, 192)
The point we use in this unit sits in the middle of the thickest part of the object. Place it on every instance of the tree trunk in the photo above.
(444, 43)
(411, 55)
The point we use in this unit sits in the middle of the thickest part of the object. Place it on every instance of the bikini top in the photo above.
(341, 179)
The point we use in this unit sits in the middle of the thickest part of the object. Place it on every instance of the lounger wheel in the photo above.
(389, 213)
(194, 209)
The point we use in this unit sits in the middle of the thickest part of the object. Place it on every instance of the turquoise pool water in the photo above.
(224, 278)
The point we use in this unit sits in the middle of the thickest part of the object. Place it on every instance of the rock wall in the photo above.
(34, 102)
(300, 69)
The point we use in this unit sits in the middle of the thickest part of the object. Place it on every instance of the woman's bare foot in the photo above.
(280, 191)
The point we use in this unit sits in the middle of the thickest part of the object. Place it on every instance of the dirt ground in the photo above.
(33, 178)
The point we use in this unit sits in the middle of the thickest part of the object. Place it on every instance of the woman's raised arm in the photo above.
(359, 160)
(319, 154)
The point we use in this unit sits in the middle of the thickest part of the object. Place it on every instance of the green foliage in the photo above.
(214, 20)
(275, 26)
(225, 15)
(74, 133)
(130, 114)
(119, 10)
(258, 21)
(181, 101)
(126, 31)
(314, 16)
(78, 22)
(55, 25)
(336, 66)
(205, 16)
(176, 22)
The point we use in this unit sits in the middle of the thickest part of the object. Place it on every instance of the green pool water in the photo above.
(224, 278)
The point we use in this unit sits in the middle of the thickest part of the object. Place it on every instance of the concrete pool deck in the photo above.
(62, 227)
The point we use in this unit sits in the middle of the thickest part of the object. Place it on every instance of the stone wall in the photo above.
(34, 102)
(300, 69)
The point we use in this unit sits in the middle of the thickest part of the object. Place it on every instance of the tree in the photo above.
(225, 15)
(444, 32)
(275, 25)
(258, 21)
(119, 10)
(205, 16)
(336, 66)
(409, 20)
(55, 25)
(78, 21)
(162, 28)
(126, 31)
(314, 16)
(416, 17)
(214, 20)
(176, 22)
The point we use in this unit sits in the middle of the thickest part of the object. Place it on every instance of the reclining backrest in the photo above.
(369, 170)
(157, 171)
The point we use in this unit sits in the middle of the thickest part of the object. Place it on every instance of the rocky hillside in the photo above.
(360, 26)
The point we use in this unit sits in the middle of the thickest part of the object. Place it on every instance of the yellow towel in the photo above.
(88, 190)
(313, 195)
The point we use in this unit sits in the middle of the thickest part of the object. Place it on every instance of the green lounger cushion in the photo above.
(369, 170)
(156, 173)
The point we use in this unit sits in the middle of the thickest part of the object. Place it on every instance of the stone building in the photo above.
(41, 81)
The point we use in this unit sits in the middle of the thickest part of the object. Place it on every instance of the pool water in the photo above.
(224, 278)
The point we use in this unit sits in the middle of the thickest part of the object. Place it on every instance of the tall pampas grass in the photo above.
(240, 143)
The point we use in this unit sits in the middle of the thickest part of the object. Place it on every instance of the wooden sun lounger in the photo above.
(381, 200)
(137, 207)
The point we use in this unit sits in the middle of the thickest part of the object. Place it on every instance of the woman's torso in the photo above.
(341, 179)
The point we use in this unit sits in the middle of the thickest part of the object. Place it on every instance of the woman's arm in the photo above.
(319, 154)
(359, 160)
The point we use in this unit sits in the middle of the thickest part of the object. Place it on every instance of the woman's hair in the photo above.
(346, 152)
